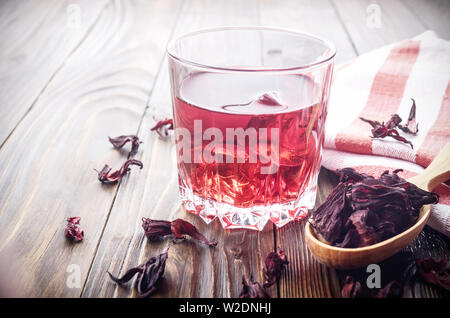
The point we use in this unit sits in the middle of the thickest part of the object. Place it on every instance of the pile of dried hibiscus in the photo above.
(362, 210)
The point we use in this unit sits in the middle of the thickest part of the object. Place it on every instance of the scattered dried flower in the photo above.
(351, 288)
(411, 127)
(381, 130)
(73, 229)
(149, 274)
(181, 227)
(349, 174)
(273, 266)
(392, 290)
(107, 177)
(156, 229)
(120, 141)
(436, 272)
(252, 289)
(162, 127)
(270, 99)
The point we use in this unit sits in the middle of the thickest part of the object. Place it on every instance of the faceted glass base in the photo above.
(254, 218)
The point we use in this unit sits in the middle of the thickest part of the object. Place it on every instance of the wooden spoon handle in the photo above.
(437, 172)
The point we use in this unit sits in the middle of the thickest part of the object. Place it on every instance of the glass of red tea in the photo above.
(249, 107)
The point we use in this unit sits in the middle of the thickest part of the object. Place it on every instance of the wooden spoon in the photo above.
(345, 258)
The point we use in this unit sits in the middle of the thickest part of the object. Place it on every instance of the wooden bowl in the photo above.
(346, 258)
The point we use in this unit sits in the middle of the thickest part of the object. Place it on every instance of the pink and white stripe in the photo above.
(378, 84)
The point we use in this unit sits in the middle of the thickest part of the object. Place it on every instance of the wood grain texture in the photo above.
(64, 91)
(433, 14)
(397, 22)
(46, 166)
(36, 39)
(312, 16)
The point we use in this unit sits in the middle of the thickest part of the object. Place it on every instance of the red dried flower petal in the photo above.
(350, 175)
(148, 280)
(393, 121)
(128, 275)
(381, 130)
(273, 266)
(149, 274)
(73, 229)
(351, 288)
(120, 141)
(252, 289)
(181, 227)
(269, 99)
(156, 229)
(162, 127)
(392, 290)
(331, 216)
(107, 177)
(411, 127)
(435, 272)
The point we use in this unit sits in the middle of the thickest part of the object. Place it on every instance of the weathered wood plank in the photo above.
(192, 270)
(46, 166)
(433, 14)
(361, 18)
(316, 17)
(36, 39)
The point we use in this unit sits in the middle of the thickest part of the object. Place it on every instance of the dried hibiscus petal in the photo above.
(128, 275)
(351, 288)
(411, 127)
(181, 227)
(106, 176)
(73, 229)
(393, 122)
(156, 229)
(149, 274)
(252, 289)
(417, 196)
(330, 217)
(367, 229)
(270, 99)
(162, 127)
(381, 130)
(436, 272)
(350, 175)
(392, 290)
(120, 141)
(273, 266)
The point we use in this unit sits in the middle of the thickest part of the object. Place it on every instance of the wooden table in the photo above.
(75, 72)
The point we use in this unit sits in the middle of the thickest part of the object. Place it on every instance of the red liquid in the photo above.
(238, 101)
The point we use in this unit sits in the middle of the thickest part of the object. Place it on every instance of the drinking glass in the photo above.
(249, 106)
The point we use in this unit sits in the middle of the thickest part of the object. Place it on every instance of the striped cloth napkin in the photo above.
(381, 83)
